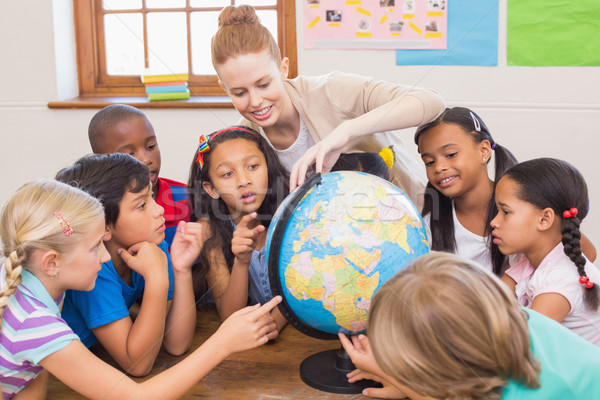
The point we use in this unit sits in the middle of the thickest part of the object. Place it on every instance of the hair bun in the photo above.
(234, 15)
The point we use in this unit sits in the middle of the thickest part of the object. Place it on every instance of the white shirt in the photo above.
(468, 244)
(293, 153)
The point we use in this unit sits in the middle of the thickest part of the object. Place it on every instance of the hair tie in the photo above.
(494, 145)
(584, 280)
(572, 213)
(64, 224)
(475, 122)
(203, 146)
(388, 156)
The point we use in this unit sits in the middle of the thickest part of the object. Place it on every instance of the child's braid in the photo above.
(13, 267)
(571, 241)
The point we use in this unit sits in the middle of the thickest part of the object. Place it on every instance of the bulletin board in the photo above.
(560, 33)
(472, 37)
(375, 24)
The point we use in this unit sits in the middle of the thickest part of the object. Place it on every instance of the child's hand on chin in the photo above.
(148, 260)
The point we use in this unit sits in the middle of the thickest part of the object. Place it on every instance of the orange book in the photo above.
(177, 83)
(164, 78)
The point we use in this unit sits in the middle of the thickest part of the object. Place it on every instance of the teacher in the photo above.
(312, 120)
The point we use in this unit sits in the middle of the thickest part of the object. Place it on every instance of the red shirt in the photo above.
(173, 197)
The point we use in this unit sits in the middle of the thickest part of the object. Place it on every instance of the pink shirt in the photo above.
(558, 274)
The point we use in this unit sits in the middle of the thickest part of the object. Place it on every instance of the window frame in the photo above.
(94, 82)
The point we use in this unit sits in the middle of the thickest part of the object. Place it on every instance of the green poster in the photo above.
(553, 32)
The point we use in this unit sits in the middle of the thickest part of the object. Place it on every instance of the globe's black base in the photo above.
(327, 371)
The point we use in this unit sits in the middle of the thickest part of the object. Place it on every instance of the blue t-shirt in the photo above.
(570, 364)
(107, 302)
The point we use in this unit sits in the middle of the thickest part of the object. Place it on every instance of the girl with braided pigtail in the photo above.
(541, 204)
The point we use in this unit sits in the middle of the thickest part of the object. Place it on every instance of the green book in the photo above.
(169, 96)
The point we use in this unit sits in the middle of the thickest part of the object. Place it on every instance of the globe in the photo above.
(333, 243)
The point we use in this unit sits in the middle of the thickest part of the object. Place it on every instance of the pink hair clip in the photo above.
(64, 224)
(572, 213)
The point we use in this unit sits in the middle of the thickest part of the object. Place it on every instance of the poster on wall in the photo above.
(472, 37)
(375, 24)
(568, 36)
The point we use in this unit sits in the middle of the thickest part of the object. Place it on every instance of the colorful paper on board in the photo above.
(375, 24)
(556, 33)
(472, 37)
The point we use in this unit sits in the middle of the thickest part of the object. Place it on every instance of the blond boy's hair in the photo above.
(447, 328)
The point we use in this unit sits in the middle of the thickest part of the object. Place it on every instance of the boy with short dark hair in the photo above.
(140, 265)
(120, 128)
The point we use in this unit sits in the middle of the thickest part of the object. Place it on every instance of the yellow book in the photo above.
(164, 78)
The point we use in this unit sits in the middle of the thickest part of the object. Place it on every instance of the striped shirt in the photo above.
(31, 330)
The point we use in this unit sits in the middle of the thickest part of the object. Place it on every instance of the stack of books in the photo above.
(166, 87)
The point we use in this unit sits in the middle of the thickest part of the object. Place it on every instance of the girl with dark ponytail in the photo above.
(541, 204)
(459, 202)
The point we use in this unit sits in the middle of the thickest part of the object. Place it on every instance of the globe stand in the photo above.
(327, 371)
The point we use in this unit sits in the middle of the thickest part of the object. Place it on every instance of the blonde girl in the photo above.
(52, 239)
(314, 119)
(445, 328)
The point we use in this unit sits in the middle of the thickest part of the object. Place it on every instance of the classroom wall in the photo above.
(551, 111)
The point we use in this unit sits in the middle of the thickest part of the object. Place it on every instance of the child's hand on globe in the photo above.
(388, 391)
(360, 352)
(246, 328)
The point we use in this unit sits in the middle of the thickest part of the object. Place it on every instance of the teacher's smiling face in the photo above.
(254, 82)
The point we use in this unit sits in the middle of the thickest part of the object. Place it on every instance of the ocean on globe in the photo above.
(333, 243)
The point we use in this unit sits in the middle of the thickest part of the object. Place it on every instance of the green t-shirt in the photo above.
(570, 364)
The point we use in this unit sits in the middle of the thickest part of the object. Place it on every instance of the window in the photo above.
(118, 40)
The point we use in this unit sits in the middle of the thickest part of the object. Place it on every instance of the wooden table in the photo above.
(269, 372)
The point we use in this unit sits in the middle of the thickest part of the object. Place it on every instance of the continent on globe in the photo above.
(345, 237)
